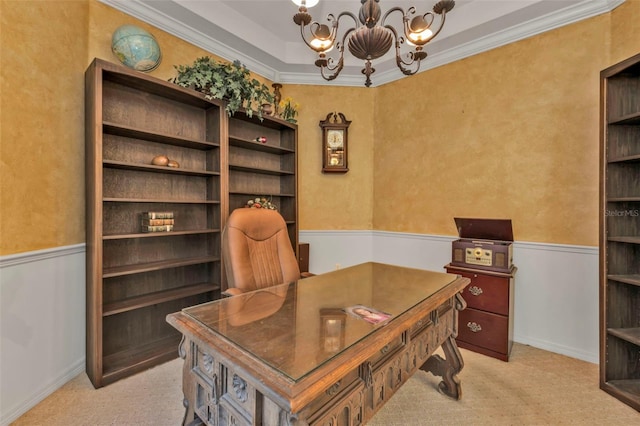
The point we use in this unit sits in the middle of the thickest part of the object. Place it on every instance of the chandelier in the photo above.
(371, 37)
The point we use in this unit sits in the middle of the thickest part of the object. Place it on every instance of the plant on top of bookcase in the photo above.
(230, 81)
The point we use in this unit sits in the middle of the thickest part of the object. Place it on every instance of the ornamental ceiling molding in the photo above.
(170, 17)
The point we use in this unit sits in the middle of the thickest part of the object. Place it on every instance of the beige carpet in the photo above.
(534, 388)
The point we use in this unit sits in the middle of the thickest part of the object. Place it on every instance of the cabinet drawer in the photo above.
(484, 329)
(486, 292)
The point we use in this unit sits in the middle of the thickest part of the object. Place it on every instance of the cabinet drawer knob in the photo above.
(474, 327)
(475, 290)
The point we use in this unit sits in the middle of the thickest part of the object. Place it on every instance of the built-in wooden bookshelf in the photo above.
(620, 232)
(135, 278)
(264, 169)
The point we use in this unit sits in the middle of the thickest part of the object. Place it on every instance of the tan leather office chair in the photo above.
(257, 251)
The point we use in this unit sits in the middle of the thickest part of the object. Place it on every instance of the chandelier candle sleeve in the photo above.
(371, 37)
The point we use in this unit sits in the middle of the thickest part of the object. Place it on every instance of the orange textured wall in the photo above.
(524, 115)
(624, 26)
(510, 133)
(334, 201)
(44, 48)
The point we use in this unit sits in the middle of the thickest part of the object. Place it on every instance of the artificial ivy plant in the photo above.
(230, 81)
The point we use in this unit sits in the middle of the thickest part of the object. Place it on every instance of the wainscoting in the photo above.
(42, 302)
(42, 325)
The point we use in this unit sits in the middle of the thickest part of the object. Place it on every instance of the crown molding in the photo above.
(279, 71)
(163, 21)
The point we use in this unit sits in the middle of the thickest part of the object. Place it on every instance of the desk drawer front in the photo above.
(484, 329)
(387, 351)
(487, 293)
(348, 411)
(342, 386)
(431, 318)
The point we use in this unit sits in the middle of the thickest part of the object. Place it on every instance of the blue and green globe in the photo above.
(136, 48)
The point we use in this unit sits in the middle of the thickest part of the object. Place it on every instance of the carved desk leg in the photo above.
(190, 418)
(447, 368)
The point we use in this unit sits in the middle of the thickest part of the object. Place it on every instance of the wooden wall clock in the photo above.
(334, 143)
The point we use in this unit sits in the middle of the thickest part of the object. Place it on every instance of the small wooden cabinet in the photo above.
(620, 231)
(486, 325)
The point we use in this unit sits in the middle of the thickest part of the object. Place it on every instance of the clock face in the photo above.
(335, 139)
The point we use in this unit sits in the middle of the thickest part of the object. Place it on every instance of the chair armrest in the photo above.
(231, 292)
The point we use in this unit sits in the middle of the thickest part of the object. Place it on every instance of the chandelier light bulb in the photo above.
(321, 45)
(322, 40)
(308, 3)
(419, 38)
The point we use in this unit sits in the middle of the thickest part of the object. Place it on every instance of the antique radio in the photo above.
(483, 244)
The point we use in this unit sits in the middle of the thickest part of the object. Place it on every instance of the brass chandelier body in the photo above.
(371, 38)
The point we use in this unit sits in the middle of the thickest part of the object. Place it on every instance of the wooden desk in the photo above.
(289, 355)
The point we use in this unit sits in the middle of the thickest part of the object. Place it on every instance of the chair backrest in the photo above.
(257, 251)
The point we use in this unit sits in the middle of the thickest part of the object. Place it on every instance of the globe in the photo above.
(136, 48)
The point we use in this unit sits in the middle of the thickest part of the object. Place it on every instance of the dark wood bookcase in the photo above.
(264, 169)
(134, 279)
(620, 231)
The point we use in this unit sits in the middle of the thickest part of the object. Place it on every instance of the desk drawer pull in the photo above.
(474, 327)
(384, 349)
(476, 291)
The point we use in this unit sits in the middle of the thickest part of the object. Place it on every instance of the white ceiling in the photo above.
(262, 34)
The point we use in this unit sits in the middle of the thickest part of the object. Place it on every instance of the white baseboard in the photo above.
(41, 393)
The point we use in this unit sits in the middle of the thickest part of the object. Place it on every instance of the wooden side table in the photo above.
(486, 326)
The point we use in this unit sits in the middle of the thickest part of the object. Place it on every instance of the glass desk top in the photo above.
(296, 327)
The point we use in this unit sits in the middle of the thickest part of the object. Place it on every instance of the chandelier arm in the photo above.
(406, 70)
(349, 14)
(312, 27)
(335, 71)
(304, 38)
(394, 9)
(400, 62)
(444, 15)
(339, 62)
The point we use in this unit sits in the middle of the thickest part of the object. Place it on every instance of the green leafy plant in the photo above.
(230, 81)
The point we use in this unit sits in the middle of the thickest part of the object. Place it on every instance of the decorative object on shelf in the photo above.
(261, 139)
(160, 160)
(371, 37)
(267, 109)
(277, 96)
(289, 110)
(136, 48)
(163, 160)
(231, 82)
(156, 222)
(334, 143)
(261, 203)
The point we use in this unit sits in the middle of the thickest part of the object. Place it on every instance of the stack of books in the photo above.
(157, 222)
